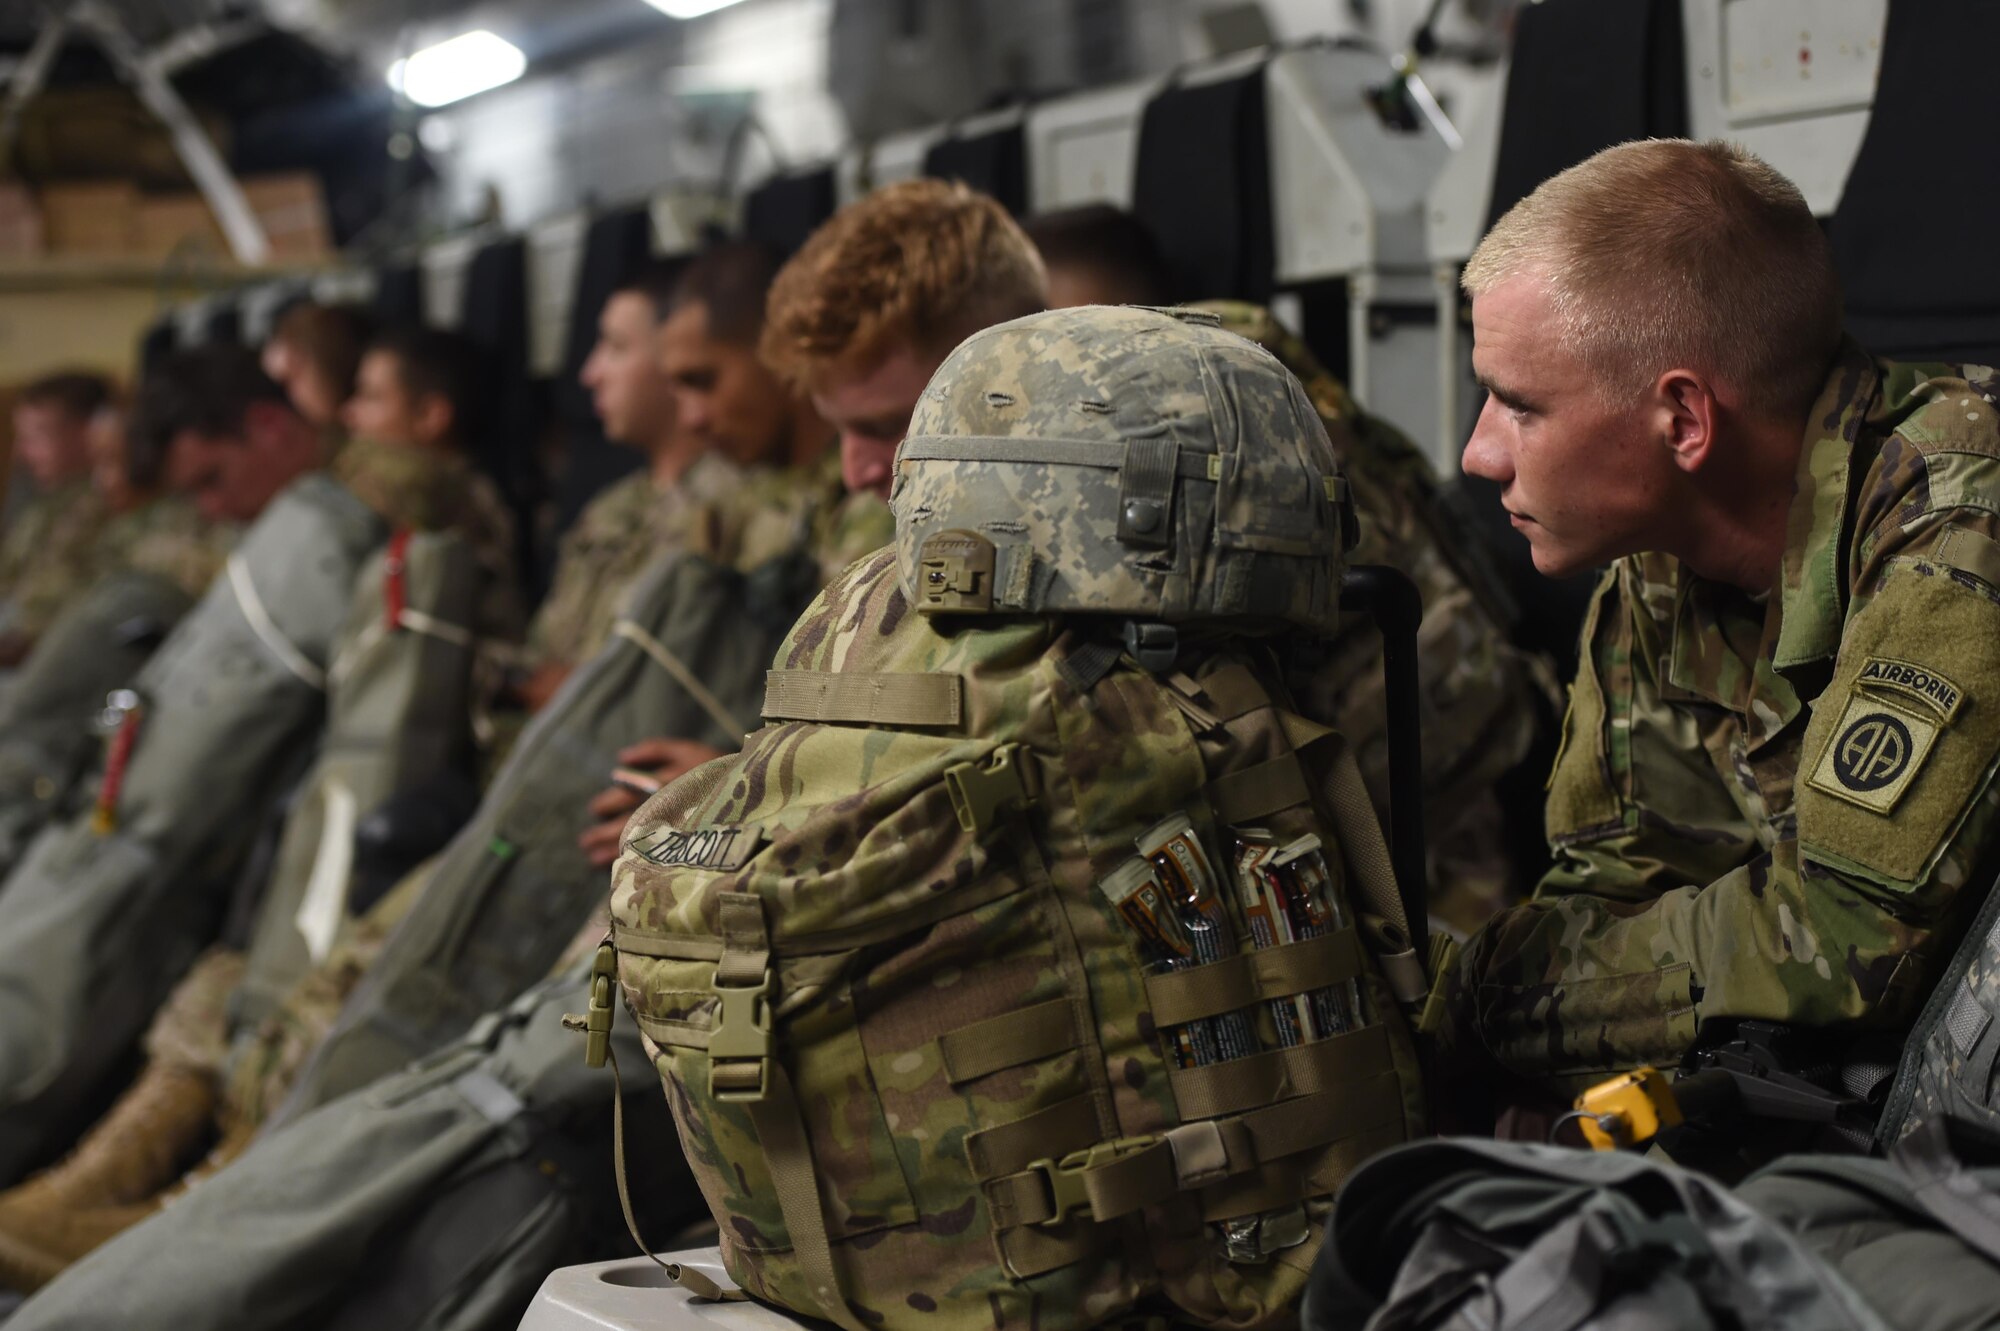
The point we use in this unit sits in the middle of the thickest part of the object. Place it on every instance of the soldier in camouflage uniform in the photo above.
(1776, 776)
(47, 548)
(634, 519)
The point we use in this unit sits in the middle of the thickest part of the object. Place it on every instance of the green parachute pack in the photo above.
(513, 888)
(50, 709)
(1036, 963)
(106, 911)
(1950, 1067)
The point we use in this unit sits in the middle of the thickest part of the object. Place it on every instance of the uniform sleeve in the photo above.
(1663, 914)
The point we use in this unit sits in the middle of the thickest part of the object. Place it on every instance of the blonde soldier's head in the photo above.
(870, 307)
(1650, 326)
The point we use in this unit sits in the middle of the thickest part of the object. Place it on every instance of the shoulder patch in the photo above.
(1919, 683)
(1874, 754)
(719, 849)
(1907, 734)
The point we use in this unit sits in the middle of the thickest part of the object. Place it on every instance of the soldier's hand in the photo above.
(660, 759)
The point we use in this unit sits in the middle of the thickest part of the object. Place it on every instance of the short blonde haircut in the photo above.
(925, 263)
(1668, 253)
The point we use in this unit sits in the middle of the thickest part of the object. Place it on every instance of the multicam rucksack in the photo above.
(1027, 968)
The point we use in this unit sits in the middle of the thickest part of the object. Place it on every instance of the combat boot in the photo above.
(135, 1150)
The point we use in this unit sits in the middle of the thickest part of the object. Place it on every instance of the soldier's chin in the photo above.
(1552, 561)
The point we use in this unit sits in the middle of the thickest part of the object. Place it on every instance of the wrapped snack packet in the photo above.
(1268, 926)
(1314, 908)
(1134, 891)
(1188, 879)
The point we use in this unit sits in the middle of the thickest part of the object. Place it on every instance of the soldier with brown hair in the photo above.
(314, 353)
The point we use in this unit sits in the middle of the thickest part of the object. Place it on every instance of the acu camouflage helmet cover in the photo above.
(1140, 464)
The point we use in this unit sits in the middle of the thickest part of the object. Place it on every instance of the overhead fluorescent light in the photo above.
(689, 8)
(469, 63)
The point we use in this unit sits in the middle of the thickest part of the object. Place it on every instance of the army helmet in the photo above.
(1136, 463)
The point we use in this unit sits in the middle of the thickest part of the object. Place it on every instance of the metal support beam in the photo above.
(29, 76)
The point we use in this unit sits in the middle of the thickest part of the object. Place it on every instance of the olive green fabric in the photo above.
(438, 1198)
(1516, 1237)
(399, 713)
(513, 886)
(95, 927)
(49, 738)
(905, 893)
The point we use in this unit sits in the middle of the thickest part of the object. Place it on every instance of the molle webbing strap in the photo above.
(1146, 492)
(266, 629)
(1008, 1148)
(1234, 690)
(1327, 1065)
(746, 941)
(1249, 794)
(1008, 1040)
(1087, 663)
(636, 634)
(1197, 1156)
(1100, 453)
(1243, 980)
(873, 698)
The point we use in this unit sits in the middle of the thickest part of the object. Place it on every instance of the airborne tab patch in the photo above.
(1874, 753)
(718, 849)
(1916, 682)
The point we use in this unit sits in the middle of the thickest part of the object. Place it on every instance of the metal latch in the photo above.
(1064, 1177)
(739, 1045)
(982, 791)
(596, 1023)
(955, 572)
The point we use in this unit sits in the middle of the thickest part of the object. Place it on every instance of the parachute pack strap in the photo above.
(418, 621)
(1946, 1189)
(864, 697)
(1234, 690)
(633, 633)
(1281, 1074)
(266, 629)
(788, 1155)
(1146, 493)
(739, 1043)
(1240, 981)
(1085, 665)
(1374, 873)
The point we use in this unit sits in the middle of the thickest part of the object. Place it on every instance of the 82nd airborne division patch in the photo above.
(1874, 754)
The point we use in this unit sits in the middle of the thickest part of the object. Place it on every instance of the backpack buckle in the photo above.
(982, 791)
(739, 1046)
(596, 1023)
(1065, 1177)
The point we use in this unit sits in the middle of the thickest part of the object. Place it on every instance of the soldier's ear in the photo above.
(434, 418)
(1685, 408)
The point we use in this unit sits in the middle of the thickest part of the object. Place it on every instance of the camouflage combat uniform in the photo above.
(1765, 807)
(168, 538)
(1479, 693)
(46, 556)
(615, 537)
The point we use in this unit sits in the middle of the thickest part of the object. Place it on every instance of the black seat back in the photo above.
(995, 163)
(1202, 182)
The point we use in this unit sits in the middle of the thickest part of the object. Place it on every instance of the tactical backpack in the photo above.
(399, 708)
(49, 713)
(1028, 967)
(513, 888)
(1509, 1236)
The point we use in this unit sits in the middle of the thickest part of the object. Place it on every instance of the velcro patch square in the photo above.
(1873, 753)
